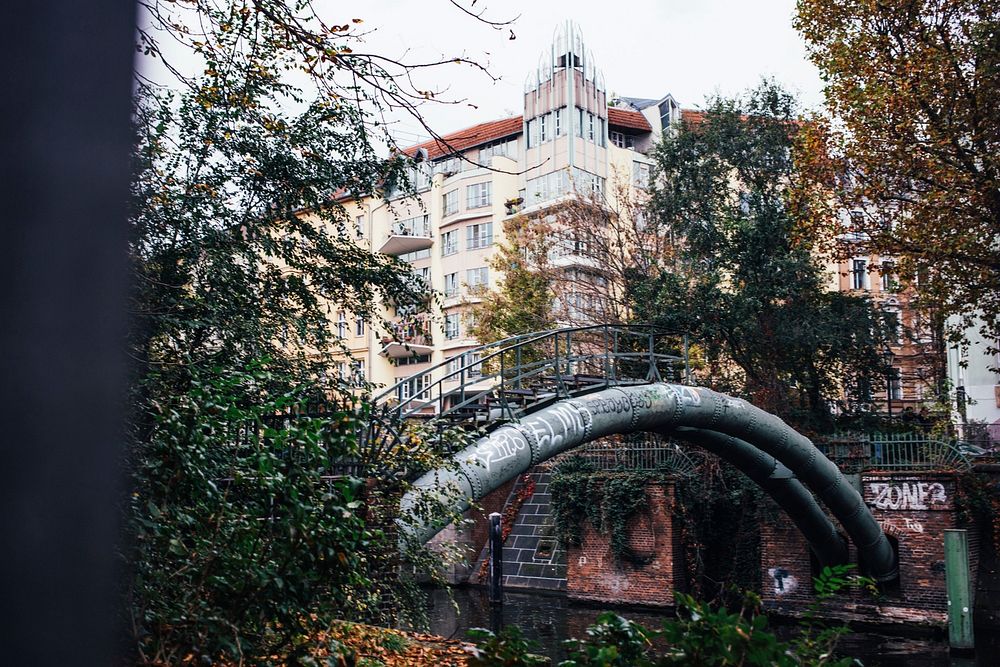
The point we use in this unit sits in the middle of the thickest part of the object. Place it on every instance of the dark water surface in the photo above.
(550, 618)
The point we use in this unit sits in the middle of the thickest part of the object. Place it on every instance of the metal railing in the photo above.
(639, 451)
(858, 452)
(501, 381)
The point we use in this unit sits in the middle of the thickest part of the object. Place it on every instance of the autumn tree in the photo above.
(241, 542)
(748, 289)
(910, 153)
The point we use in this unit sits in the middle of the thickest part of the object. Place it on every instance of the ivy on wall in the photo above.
(609, 500)
(718, 510)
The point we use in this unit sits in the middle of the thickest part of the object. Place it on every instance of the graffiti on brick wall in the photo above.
(783, 581)
(907, 495)
(907, 525)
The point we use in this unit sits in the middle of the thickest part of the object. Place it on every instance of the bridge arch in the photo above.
(784, 462)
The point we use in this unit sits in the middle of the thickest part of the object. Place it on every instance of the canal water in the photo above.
(549, 619)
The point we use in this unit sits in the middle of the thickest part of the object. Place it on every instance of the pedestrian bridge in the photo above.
(531, 397)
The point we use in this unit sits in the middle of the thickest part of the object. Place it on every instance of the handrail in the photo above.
(601, 348)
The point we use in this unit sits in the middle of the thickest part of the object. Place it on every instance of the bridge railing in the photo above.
(500, 381)
(857, 452)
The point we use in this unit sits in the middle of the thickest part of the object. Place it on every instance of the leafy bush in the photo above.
(241, 540)
(508, 648)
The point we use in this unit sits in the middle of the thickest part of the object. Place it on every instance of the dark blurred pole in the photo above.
(64, 141)
(496, 559)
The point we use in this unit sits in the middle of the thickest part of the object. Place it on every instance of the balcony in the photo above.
(408, 339)
(404, 239)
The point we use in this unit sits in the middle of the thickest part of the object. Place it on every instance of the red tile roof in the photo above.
(469, 137)
(692, 116)
(632, 120)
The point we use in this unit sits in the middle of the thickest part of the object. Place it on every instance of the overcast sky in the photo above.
(646, 48)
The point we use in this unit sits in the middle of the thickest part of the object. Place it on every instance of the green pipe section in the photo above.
(513, 448)
(778, 482)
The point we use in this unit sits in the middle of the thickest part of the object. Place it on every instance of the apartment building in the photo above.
(915, 349)
(568, 141)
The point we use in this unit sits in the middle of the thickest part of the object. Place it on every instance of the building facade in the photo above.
(568, 142)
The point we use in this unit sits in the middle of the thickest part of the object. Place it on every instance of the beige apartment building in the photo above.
(569, 141)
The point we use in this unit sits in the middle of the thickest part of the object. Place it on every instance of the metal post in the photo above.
(496, 559)
(959, 587)
(687, 362)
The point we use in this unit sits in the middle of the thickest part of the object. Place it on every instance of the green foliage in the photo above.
(610, 642)
(239, 539)
(524, 301)
(719, 509)
(913, 141)
(747, 287)
(700, 636)
(609, 501)
(241, 542)
(506, 649)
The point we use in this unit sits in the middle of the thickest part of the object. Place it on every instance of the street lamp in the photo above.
(887, 357)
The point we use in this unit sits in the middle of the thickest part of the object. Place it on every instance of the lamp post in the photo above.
(887, 357)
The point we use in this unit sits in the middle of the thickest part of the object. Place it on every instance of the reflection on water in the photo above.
(550, 618)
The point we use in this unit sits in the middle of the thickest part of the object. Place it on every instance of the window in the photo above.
(451, 284)
(449, 243)
(451, 326)
(859, 274)
(547, 187)
(478, 277)
(469, 361)
(622, 140)
(600, 133)
(359, 226)
(590, 126)
(423, 274)
(559, 121)
(417, 226)
(413, 359)
(359, 326)
(478, 195)
(892, 326)
(529, 133)
(586, 183)
(451, 202)
(359, 370)
(415, 387)
(479, 236)
(415, 255)
(342, 324)
(895, 391)
(579, 122)
(888, 276)
(543, 128)
(507, 148)
(640, 174)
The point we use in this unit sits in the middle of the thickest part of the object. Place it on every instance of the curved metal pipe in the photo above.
(513, 448)
(780, 483)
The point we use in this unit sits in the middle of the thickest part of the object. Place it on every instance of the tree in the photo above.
(241, 539)
(747, 289)
(912, 145)
(524, 301)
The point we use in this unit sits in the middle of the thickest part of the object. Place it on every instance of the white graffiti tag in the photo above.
(783, 581)
(502, 445)
(907, 495)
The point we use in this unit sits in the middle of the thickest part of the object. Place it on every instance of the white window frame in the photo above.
(449, 243)
(449, 202)
(451, 284)
(479, 195)
(477, 277)
(452, 326)
(859, 279)
(359, 326)
(479, 236)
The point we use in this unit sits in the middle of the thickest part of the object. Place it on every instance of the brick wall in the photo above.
(915, 510)
(595, 574)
